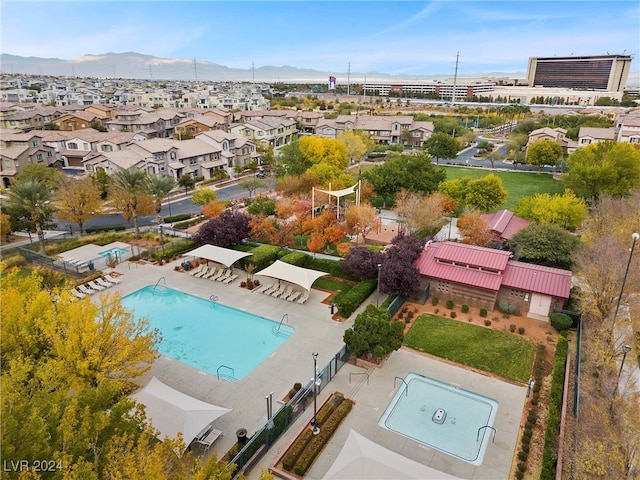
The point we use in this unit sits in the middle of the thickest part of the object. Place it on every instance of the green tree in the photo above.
(355, 144)
(373, 335)
(565, 210)
(30, 204)
(441, 145)
(187, 182)
(603, 168)
(132, 183)
(545, 244)
(544, 152)
(484, 193)
(251, 184)
(39, 172)
(414, 173)
(102, 181)
(203, 195)
(292, 160)
(159, 187)
(77, 201)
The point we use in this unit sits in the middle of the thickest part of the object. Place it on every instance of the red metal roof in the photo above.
(517, 275)
(535, 278)
(504, 223)
(471, 255)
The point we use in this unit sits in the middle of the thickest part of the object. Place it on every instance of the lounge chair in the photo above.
(85, 289)
(224, 275)
(197, 270)
(76, 293)
(220, 273)
(303, 298)
(265, 287)
(294, 296)
(94, 286)
(103, 282)
(111, 279)
(206, 270)
(287, 291)
(230, 278)
(279, 290)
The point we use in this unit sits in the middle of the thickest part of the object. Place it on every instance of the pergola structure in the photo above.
(336, 193)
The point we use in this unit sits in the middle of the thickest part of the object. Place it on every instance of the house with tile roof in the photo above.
(558, 135)
(589, 135)
(267, 130)
(18, 149)
(628, 128)
(236, 150)
(483, 277)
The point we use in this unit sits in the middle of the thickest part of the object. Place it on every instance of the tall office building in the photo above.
(601, 72)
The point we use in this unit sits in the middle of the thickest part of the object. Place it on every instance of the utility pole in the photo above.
(253, 72)
(195, 68)
(348, 77)
(455, 80)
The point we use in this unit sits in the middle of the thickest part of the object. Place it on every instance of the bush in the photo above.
(355, 297)
(263, 256)
(189, 223)
(487, 322)
(512, 328)
(296, 258)
(561, 321)
(483, 312)
(177, 218)
(450, 304)
(434, 301)
(452, 314)
(465, 308)
(521, 330)
(105, 228)
(523, 456)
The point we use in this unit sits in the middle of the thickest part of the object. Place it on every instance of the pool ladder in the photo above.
(406, 385)
(486, 426)
(227, 367)
(164, 281)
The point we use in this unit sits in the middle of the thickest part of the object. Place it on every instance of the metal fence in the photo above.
(285, 417)
(77, 269)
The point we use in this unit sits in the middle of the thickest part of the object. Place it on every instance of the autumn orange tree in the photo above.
(361, 219)
(474, 229)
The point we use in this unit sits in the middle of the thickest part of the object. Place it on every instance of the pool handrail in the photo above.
(161, 278)
(406, 385)
(233, 373)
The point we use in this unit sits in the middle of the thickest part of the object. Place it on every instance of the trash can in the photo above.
(90, 265)
(241, 433)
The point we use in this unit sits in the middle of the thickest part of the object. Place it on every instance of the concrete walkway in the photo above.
(315, 331)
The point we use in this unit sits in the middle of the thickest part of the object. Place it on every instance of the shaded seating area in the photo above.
(171, 412)
(224, 257)
(303, 277)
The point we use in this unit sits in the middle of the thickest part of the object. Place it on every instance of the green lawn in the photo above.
(517, 184)
(504, 354)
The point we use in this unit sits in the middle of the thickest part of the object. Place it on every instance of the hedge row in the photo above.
(299, 259)
(550, 451)
(105, 228)
(187, 223)
(355, 297)
(177, 218)
(262, 256)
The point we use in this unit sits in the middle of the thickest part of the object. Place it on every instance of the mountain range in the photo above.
(138, 66)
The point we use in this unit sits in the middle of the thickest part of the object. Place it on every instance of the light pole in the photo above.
(625, 349)
(378, 289)
(635, 236)
(314, 422)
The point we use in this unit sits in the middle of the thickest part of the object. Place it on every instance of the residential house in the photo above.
(77, 121)
(151, 124)
(104, 112)
(418, 133)
(18, 149)
(267, 130)
(589, 135)
(192, 126)
(628, 128)
(388, 130)
(36, 117)
(558, 135)
(236, 150)
(483, 277)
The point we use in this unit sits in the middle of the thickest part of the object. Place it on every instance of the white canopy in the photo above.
(362, 459)
(225, 256)
(292, 273)
(171, 411)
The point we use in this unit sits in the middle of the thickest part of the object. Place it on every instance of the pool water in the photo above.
(115, 251)
(206, 335)
(447, 418)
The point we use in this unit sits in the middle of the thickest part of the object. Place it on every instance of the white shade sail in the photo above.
(171, 411)
(225, 256)
(362, 459)
(292, 273)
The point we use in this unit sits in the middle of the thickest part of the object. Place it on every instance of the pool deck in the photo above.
(315, 331)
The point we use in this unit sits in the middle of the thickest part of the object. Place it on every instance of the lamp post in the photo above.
(635, 236)
(378, 289)
(625, 349)
(314, 422)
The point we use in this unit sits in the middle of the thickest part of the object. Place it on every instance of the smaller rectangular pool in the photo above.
(214, 338)
(115, 252)
(450, 419)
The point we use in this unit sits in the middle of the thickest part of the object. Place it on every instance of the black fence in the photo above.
(285, 417)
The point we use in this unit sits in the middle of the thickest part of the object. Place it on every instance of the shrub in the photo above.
(450, 304)
(177, 218)
(483, 312)
(522, 467)
(452, 314)
(560, 321)
(465, 308)
(523, 456)
(296, 258)
(519, 475)
(532, 417)
(526, 447)
(354, 297)
(263, 256)
(512, 328)
(434, 301)
(487, 322)
(105, 228)
(521, 330)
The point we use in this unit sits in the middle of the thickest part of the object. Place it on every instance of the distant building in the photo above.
(601, 72)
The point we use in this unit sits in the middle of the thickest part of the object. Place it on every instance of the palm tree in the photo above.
(132, 181)
(32, 199)
(159, 187)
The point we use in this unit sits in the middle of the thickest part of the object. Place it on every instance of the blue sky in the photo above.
(410, 37)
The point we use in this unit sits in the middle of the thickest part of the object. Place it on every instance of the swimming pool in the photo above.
(445, 417)
(115, 251)
(206, 335)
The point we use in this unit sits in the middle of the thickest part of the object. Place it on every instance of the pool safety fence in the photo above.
(287, 414)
